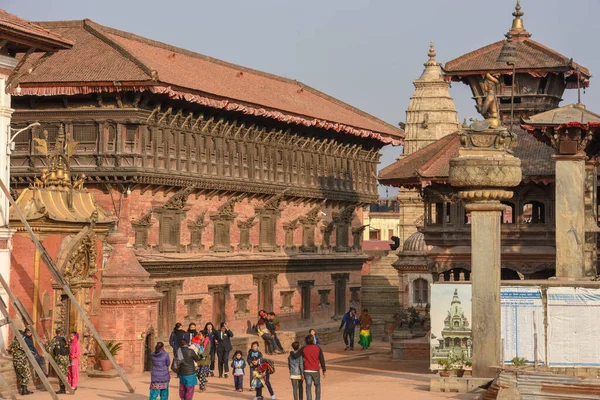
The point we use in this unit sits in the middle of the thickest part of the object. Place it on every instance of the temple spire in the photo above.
(431, 62)
(517, 28)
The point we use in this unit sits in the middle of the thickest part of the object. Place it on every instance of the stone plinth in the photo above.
(483, 168)
(570, 216)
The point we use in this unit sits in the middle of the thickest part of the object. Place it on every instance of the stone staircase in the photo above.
(7, 370)
(380, 292)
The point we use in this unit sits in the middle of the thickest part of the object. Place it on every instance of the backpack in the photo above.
(270, 364)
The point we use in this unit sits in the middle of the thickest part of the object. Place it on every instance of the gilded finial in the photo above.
(517, 24)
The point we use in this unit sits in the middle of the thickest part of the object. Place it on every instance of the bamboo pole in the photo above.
(60, 280)
(9, 389)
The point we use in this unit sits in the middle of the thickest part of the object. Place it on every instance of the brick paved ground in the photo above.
(356, 375)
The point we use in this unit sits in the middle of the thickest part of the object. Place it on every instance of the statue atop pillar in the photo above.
(488, 107)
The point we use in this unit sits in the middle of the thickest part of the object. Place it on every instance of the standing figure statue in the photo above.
(489, 106)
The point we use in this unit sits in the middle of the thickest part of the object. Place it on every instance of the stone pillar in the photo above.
(570, 217)
(483, 168)
(591, 218)
(6, 65)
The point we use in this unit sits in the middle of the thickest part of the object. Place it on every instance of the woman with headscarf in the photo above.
(160, 377)
(74, 353)
(187, 370)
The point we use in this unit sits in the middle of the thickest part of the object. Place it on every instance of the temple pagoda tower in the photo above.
(430, 116)
(542, 74)
(456, 335)
(431, 113)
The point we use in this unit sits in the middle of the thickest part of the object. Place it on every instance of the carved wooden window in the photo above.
(340, 281)
(241, 301)
(219, 295)
(168, 305)
(265, 291)
(87, 137)
(268, 232)
(169, 235)
(324, 297)
(305, 297)
(23, 140)
(52, 131)
(355, 295)
(286, 301)
(280, 177)
(420, 289)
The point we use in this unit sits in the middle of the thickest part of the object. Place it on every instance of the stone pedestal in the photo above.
(483, 168)
(570, 217)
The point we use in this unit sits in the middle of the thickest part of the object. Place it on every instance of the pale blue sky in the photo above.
(366, 53)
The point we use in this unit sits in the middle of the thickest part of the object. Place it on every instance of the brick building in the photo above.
(231, 189)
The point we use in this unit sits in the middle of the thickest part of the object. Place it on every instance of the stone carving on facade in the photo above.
(289, 228)
(245, 227)
(178, 201)
(222, 221)
(80, 266)
(141, 228)
(268, 216)
(196, 229)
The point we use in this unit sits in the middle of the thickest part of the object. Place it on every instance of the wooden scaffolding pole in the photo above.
(9, 389)
(28, 322)
(64, 285)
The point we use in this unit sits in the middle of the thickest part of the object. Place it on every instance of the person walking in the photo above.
(296, 367)
(364, 337)
(175, 338)
(349, 324)
(21, 365)
(253, 352)
(238, 366)
(209, 330)
(204, 349)
(191, 332)
(59, 349)
(187, 370)
(223, 342)
(160, 377)
(261, 378)
(265, 333)
(74, 353)
(28, 337)
(313, 359)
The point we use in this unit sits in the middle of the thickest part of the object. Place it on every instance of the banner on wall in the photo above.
(520, 307)
(573, 329)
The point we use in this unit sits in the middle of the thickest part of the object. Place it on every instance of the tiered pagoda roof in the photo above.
(432, 163)
(109, 60)
(533, 58)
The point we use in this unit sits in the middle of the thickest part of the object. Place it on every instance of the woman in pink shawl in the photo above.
(73, 372)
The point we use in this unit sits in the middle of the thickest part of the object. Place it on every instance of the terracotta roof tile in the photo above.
(29, 34)
(105, 55)
(432, 163)
(532, 56)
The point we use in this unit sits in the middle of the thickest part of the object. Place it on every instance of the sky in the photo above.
(366, 53)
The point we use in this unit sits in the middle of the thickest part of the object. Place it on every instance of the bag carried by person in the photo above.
(270, 365)
(177, 361)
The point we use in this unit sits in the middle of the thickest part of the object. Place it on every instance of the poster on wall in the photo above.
(450, 323)
(573, 329)
(520, 306)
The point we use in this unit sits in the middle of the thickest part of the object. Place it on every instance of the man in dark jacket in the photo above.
(191, 332)
(175, 338)
(349, 323)
(314, 361)
(28, 337)
(223, 343)
(270, 323)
